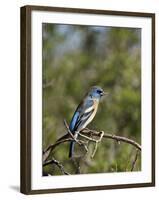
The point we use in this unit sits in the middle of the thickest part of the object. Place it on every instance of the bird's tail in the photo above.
(72, 145)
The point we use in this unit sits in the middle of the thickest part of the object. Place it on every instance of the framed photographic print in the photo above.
(87, 99)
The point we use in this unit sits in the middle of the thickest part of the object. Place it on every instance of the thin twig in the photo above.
(95, 149)
(53, 146)
(135, 159)
(93, 140)
(57, 163)
(96, 144)
(128, 161)
(67, 127)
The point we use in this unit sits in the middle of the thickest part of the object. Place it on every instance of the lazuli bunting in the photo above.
(85, 113)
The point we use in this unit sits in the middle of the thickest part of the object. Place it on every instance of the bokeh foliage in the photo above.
(76, 58)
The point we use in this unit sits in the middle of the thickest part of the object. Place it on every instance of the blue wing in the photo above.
(80, 117)
(74, 121)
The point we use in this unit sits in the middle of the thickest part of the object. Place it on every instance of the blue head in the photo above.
(96, 92)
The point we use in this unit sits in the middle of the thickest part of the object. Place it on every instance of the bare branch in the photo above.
(87, 134)
(51, 147)
(111, 136)
(57, 163)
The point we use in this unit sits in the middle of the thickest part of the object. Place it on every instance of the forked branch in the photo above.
(89, 136)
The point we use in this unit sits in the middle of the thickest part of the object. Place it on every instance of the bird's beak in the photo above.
(105, 93)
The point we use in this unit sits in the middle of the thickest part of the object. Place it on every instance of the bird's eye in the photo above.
(99, 91)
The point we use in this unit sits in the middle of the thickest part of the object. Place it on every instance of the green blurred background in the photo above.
(76, 58)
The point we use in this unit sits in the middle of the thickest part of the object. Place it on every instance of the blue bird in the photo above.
(85, 113)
